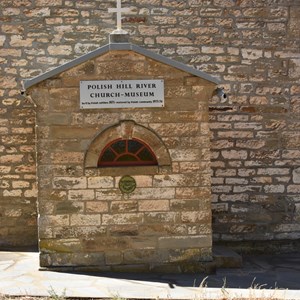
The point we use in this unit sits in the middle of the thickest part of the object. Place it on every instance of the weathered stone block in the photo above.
(124, 230)
(62, 245)
(293, 189)
(161, 217)
(78, 232)
(61, 132)
(235, 154)
(143, 181)
(193, 193)
(134, 68)
(175, 129)
(153, 205)
(100, 182)
(153, 193)
(66, 157)
(190, 167)
(196, 216)
(96, 206)
(108, 194)
(142, 256)
(184, 155)
(84, 220)
(126, 218)
(194, 255)
(180, 242)
(60, 50)
(105, 244)
(294, 70)
(294, 21)
(66, 207)
(82, 195)
(124, 206)
(159, 229)
(71, 259)
(11, 159)
(113, 258)
(12, 193)
(177, 180)
(185, 205)
(69, 183)
(296, 175)
(49, 220)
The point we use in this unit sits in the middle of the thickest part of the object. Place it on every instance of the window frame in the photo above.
(137, 162)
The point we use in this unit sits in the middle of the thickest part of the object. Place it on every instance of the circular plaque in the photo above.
(127, 184)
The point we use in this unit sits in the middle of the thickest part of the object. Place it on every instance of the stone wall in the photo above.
(18, 225)
(251, 45)
(84, 218)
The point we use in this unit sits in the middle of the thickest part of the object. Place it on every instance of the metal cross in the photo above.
(119, 10)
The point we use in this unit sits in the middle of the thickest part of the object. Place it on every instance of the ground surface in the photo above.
(269, 276)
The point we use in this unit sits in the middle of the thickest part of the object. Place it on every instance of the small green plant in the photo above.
(118, 297)
(203, 283)
(257, 286)
(223, 289)
(55, 296)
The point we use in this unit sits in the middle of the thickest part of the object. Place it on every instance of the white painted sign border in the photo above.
(99, 94)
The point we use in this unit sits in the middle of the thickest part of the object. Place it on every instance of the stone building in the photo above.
(123, 161)
(251, 46)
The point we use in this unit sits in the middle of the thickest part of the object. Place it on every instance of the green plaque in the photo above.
(127, 184)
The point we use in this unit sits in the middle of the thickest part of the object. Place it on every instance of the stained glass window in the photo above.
(132, 152)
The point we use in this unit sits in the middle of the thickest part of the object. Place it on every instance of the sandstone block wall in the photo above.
(84, 218)
(251, 45)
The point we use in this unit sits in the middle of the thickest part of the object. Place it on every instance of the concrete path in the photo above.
(273, 277)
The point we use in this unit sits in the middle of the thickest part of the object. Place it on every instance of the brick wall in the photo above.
(251, 45)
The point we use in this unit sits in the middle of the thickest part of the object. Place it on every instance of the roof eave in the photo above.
(27, 83)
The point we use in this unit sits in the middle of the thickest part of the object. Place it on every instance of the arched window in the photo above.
(126, 152)
(153, 160)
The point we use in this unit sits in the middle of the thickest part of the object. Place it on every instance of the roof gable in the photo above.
(27, 83)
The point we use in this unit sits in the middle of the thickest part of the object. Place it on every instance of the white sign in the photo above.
(121, 93)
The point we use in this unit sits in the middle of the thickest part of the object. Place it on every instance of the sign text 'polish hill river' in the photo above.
(121, 94)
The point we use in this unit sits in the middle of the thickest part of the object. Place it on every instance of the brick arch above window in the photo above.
(126, 130)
